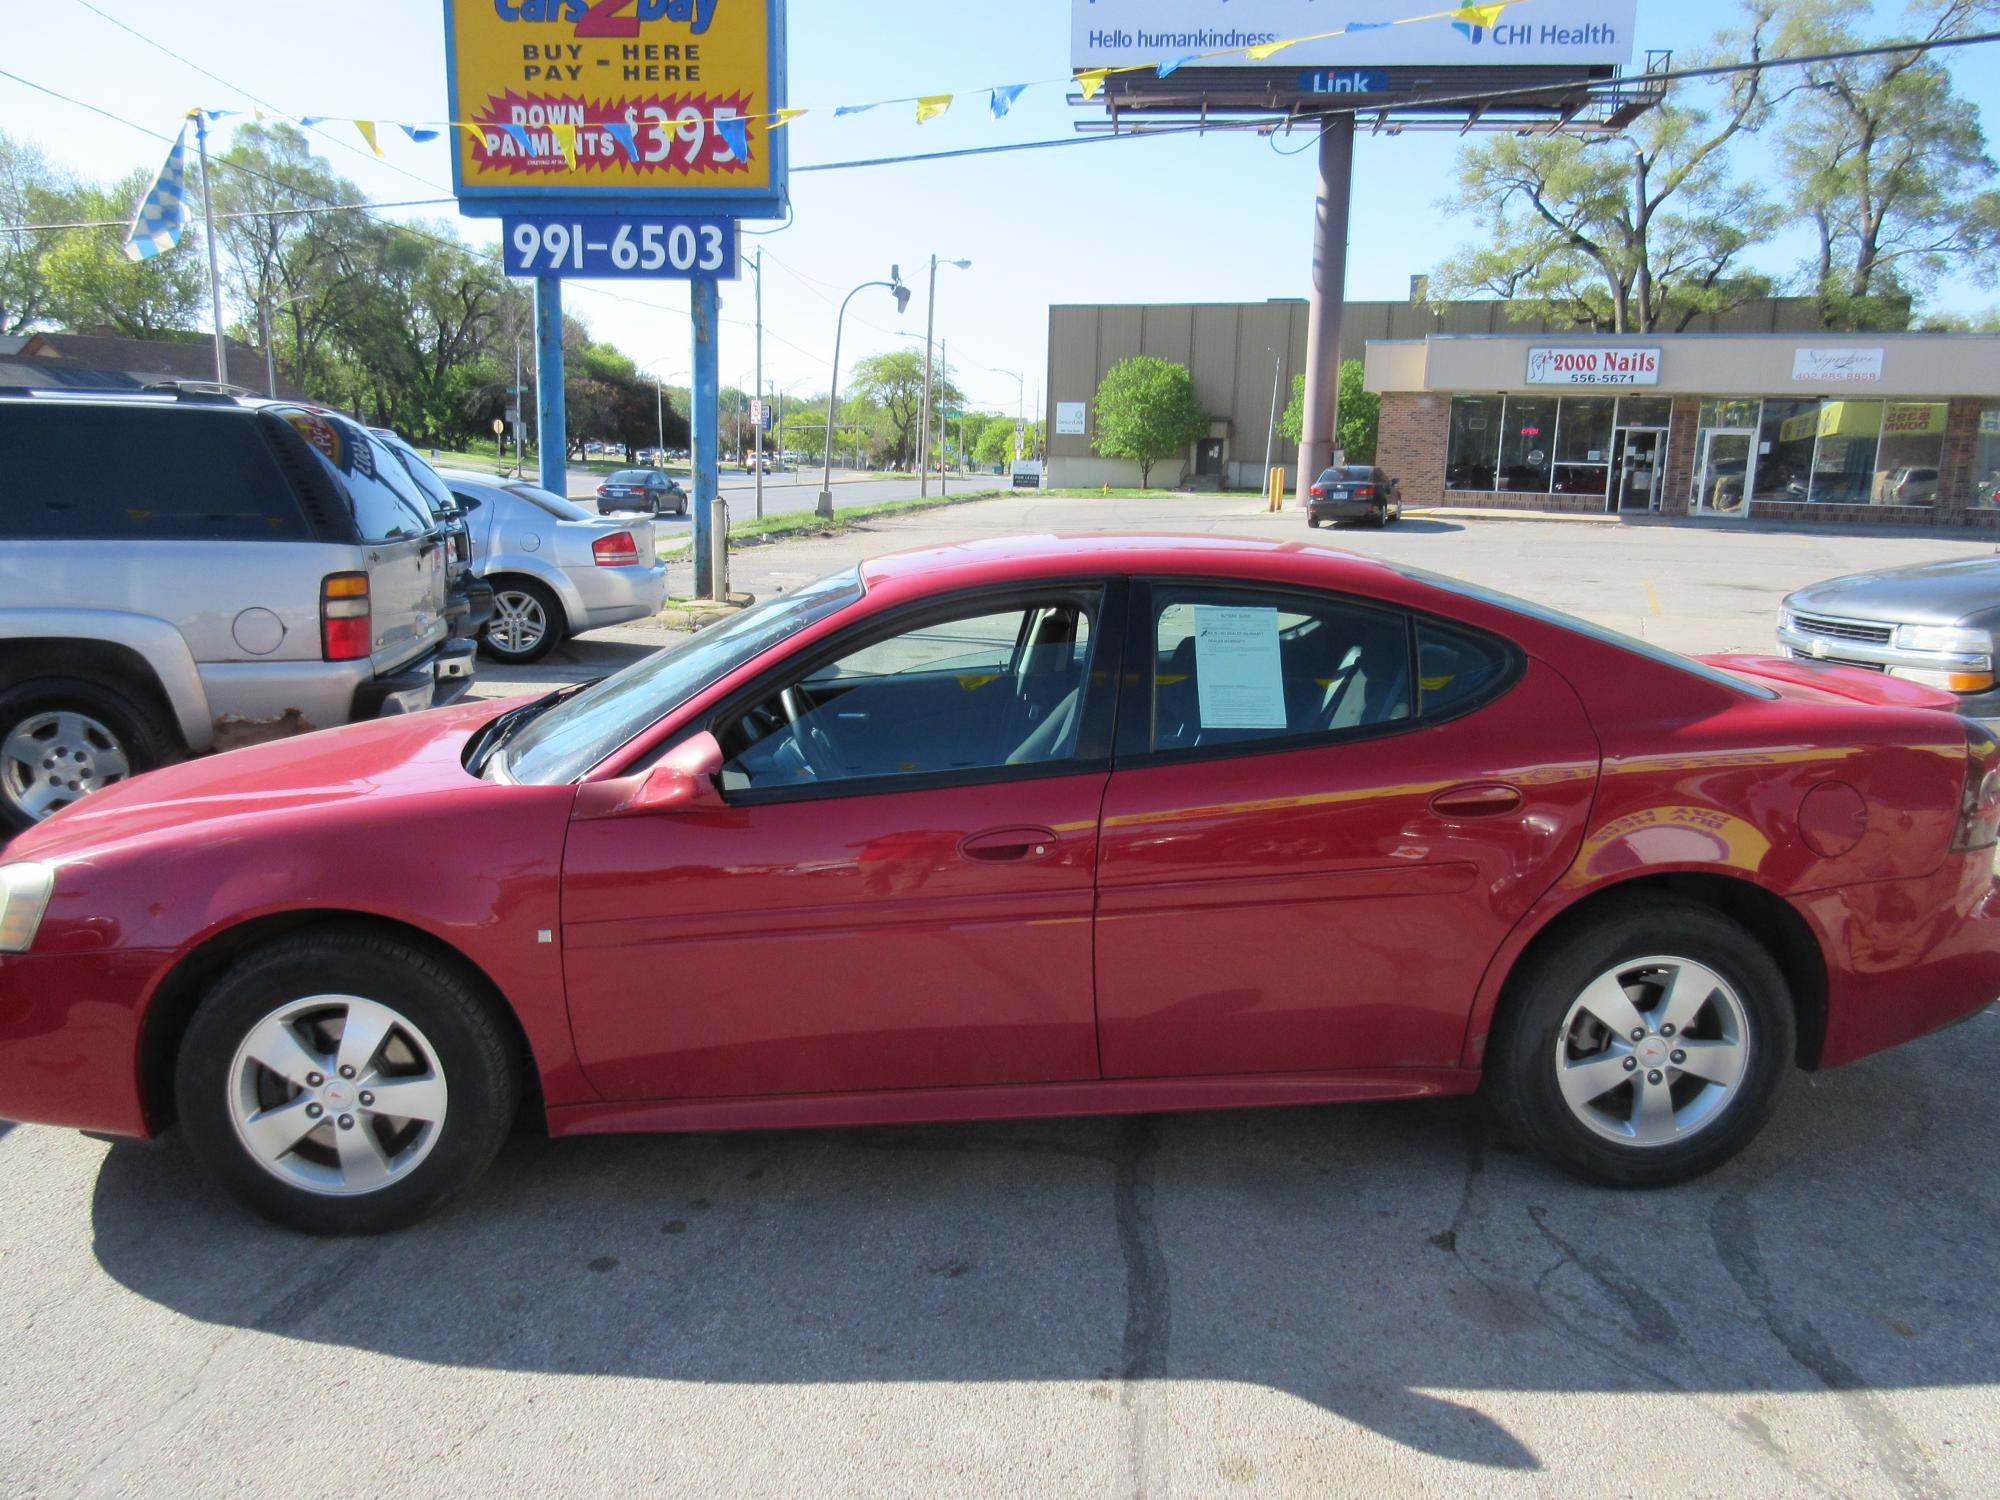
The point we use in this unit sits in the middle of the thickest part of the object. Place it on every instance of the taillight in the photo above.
(1364, 492)
(1979, 805)
(1318, 493)
(618, 550)
(344, 617)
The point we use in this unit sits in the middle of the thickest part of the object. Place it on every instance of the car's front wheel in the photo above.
(343, 1083)
(1646, 1048)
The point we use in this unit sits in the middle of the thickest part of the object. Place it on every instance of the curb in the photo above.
(701, 613)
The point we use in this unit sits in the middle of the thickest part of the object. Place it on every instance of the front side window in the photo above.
(1234, 667)
(984, 691)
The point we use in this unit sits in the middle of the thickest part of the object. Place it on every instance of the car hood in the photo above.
(382, 760)
(1936, 593)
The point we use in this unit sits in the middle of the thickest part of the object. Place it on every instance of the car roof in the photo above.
(1006, 559)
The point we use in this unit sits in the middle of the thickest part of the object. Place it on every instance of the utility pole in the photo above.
(208, 233)
(520, 393)
(924, 415)
(944, 374)
(757, 426)
(270, 360)
(1271, 432)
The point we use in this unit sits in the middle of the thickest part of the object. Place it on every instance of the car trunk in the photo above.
(406, 595)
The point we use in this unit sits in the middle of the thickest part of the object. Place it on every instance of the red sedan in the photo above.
(1022, 828)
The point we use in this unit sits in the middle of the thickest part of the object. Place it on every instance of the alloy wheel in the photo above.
(519, 622)
(54, 758)
(337, 1095)
(1652, 1051)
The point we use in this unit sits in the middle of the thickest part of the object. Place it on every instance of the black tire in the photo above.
(1312, 521)
(1521, 1068)
(136, 730)
(475, 1054)
(555, 621)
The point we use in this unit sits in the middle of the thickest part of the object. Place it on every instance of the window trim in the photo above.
(1095, 733)
(1132, 747)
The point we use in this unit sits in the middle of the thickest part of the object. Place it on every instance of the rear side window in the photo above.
(140, 473)
(1455, 669)
(384, 499)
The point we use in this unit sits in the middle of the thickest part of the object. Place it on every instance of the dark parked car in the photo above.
(1355, 492)
(646, 491)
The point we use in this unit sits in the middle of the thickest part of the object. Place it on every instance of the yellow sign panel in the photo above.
(1865, 419)
(642, 103)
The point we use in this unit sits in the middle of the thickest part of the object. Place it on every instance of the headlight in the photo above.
(24, 896)
(1949, 638)
(1785, 620)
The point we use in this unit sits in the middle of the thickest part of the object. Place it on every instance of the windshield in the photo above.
(555, 505)
(571, 738)
(1583, 627)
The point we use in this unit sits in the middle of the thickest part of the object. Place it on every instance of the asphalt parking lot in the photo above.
(1356, 1300)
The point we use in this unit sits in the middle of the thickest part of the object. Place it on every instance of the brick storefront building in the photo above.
(1900, 429)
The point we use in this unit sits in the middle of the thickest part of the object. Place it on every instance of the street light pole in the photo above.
(1271, 432)
(902, 296)
(757, 427)
(924, 415)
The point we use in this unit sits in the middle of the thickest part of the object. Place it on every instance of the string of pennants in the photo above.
(734, 129)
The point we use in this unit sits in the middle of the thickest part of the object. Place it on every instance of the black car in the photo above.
(1354, 492)
(645, 491)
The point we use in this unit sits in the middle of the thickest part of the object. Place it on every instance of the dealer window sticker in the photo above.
(1239, 678)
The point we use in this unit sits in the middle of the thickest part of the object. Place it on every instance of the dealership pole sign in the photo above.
(1608, 364)
(617, 106)
(1366, 34)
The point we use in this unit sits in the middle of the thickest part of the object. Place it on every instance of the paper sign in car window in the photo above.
(1238, 675)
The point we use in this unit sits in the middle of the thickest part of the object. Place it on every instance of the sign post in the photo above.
(621, 141)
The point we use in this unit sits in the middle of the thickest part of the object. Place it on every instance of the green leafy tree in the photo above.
(91, 284)
(1360, 415)
(1638, 230)
(31, 192)
(1886, 162)
(996, 443)
(1146, 411)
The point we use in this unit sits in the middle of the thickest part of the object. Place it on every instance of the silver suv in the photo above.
(183, 572)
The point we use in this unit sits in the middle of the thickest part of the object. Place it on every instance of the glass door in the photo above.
(1722, 471)
(1637, 486)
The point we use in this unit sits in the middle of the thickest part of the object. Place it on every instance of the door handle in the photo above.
(1000, 845)
(1485, 801)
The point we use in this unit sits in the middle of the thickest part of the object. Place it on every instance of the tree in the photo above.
(996, 443)
(90, 283)
(1887, 163)
(1632, 231)
(1360, 415)
(31, 192)
(1146, 411)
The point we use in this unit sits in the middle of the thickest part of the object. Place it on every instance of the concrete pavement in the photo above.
(1364, 1300)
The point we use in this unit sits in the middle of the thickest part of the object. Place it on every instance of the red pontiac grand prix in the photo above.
(1038, 826)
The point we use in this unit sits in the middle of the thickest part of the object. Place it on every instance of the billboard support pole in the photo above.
(705, 304)
(1329, 293)
(551, 421)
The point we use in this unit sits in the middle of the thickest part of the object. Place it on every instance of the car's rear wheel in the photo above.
(342, 1083)
(1312, 520)
(1645, 1049)
(62, 738)
(527, 621)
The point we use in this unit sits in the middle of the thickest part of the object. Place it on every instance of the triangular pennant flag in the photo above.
(1366, 26)
(1004, 97)
(1267, 49)
(735, 132)
(564, 132)
(221, 114)
(311, 120)
(1479, 15)
(785, 117)
(162, 213)
(853, 109)
(624, 135)
(519, 135)
(367, 129)
(1168, 69)
(1093, 81)
(477, 132)
(931, 106)
(421, 137)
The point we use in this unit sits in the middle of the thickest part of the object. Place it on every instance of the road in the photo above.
(1368, 1300)
(787, 493)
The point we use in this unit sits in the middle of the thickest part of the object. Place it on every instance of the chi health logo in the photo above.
(1470, 30)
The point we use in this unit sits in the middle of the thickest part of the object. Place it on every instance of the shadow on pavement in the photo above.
(1408, 526)
(1370, 1260)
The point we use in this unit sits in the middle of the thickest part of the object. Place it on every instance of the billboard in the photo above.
(1124, 33)
(617, 106)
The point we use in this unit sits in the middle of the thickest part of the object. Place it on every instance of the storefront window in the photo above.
(1583, 445)
(1986, 459)
(1906, 468)
(1474, 451)
(1729, 413)
(1785, 450)
(1844, 467)
(1527, 442)
(1645, 411)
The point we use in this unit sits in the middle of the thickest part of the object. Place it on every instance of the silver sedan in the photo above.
(556, 569)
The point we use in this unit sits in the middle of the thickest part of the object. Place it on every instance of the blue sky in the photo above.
(1220, 218)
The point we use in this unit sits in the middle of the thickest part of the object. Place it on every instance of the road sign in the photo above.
(638, 246)
(760, 414)
(617, 106)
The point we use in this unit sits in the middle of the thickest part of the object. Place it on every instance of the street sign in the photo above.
(617, 106)
(636, 246)
(760, 414)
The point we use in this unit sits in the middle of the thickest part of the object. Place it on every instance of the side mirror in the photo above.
(684, 780)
